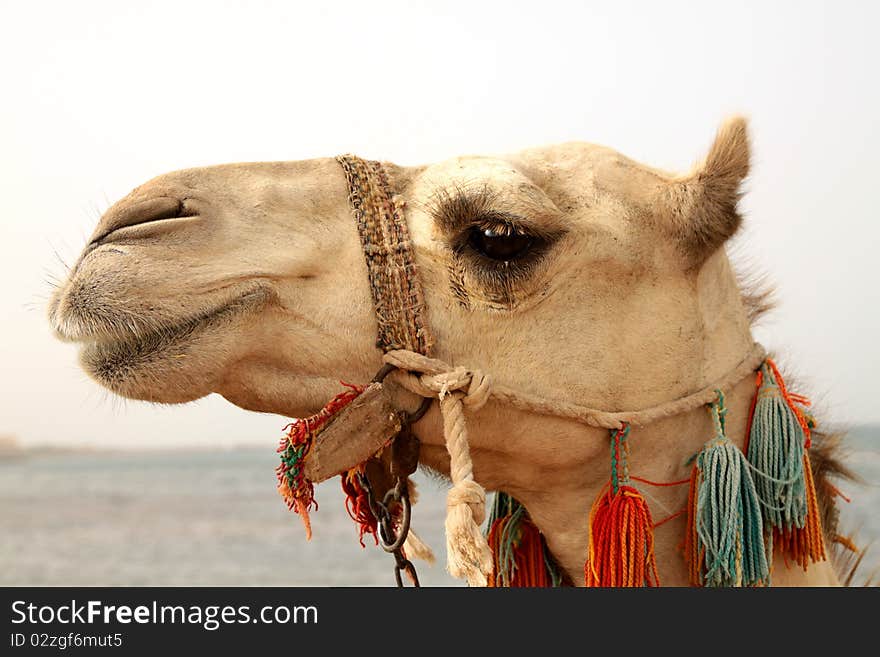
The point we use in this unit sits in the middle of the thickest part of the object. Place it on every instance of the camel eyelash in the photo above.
(501, 283)
(459, 209)
(499, 251)
(522, 252)
(500, 224)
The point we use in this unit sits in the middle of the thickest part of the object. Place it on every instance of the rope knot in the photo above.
(469, 492)
(430, 377)
(478, 391)
(443, 383)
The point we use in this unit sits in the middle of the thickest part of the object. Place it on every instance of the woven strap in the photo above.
(394, 281)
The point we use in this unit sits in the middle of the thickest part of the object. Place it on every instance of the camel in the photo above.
(569, 271)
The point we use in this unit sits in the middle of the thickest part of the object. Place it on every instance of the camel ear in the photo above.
(701, 207)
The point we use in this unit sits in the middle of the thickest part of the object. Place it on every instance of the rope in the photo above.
(428, 377)
(680, 482)
(468, 553)
(673, 516)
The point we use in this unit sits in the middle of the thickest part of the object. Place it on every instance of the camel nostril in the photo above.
(140, 212)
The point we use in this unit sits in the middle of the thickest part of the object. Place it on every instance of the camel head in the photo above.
(569, 271)
(568, 267)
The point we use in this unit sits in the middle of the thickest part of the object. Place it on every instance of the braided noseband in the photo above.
(394, 282)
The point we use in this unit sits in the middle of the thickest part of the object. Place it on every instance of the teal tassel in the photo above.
(779, 437)
(776, 450)
(507, 508)
(727, 518)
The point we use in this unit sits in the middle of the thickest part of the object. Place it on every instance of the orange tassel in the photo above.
(621, 530)
(302, 508)
(694, 552)
(621, 541)
(805, 544)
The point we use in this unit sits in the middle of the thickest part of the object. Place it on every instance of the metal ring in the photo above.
(386, 529)
(412, 418)
(402, 532)
(384, 371)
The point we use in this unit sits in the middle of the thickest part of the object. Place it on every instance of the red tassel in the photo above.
(357, 504)
(621, 541)
(621, 530)
(529, 565)
(297, 491)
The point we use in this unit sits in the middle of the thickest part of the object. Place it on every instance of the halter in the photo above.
(715, 553)
(394, 283)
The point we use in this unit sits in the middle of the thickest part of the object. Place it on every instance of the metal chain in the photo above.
(392, 541)
(404, 461)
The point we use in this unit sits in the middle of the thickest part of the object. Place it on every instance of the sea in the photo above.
(213, 518)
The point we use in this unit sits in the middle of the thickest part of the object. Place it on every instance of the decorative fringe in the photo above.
(724, 542)
(357, 504)
(297, 491)
(414, 546)
(621, 529)
(779, 437)
(519, 553)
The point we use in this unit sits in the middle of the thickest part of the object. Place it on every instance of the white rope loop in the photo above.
(428, 377)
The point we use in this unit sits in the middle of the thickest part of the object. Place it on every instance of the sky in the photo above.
(98, 97)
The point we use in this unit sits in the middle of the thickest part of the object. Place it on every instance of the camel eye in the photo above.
(503, 243)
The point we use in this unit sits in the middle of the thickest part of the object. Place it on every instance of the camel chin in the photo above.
(178, 362)
(116, 368)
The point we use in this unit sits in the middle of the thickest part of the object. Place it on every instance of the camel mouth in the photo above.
(113, 360)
